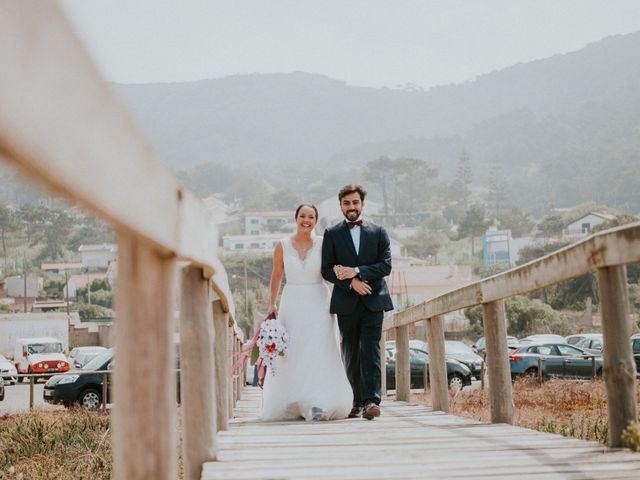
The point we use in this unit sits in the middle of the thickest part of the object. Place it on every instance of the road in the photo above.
(16, 398)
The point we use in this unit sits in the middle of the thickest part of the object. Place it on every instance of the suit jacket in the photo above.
(373, 261)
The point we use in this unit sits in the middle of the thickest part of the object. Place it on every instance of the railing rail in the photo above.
(61, 125)
(606, 252)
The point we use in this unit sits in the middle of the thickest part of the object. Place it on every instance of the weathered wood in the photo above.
(426, 376)
(222, 365)
(197, 362)
(403, 368)
(239, 372)
(394, 446)
(229, 353)
(500, 392)
(438, 365)
(612, 247)
(144, 419)
(618, 363)
(383, 363)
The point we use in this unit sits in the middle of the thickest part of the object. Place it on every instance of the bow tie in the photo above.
(353, 224)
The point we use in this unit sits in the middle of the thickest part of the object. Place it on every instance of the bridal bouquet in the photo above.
(270, 341)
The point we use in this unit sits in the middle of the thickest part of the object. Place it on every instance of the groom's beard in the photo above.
(352, 215)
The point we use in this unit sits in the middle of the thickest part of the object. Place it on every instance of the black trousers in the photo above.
(361, 332)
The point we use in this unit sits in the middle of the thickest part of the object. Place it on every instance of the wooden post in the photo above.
(240, 371)
(229, 353)
(221, 323)
(383, 364)
(618, 363)
(425, 374)
(437, 365)
(403, 369)
(198, 373)
(500, 394)
(144, 418)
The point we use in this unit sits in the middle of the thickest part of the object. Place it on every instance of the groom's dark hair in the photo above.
(352, 188)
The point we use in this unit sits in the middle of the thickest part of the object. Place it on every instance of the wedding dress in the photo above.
(310, 382)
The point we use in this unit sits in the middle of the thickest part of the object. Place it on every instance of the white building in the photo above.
(14, 286)
(584, 225)
(247, 243)
(261, 223)
(97, 257)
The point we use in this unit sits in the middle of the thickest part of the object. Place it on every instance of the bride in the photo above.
(310, 382)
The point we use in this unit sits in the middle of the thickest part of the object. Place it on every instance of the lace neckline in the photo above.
(296, 253)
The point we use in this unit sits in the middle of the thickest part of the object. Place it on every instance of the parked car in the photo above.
(452, 349)
(635, 346)
(559, 360)
(591, 342)
(458, 374)
(542, 338)
(1, 389)
(40, 355)
(80, 356)
(8, 371)
(480, 346)
(85, 390)
(574, 339)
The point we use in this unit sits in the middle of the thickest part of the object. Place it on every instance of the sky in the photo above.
(392, 43)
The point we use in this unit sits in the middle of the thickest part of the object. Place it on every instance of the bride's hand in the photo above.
(273, 309)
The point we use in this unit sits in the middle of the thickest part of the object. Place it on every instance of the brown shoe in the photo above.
(355, 412)
(371, 411)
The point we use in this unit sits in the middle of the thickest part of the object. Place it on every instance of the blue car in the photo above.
(558, 360)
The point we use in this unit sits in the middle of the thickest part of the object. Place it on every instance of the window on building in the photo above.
(254, 221)
(255, 245)
(238, 246)
(586, 228)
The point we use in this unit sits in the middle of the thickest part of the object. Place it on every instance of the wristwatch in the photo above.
(357, 270)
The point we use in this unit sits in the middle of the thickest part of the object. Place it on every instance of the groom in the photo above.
(355, 258)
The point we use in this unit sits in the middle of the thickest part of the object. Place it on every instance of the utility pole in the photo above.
(246, 293)
(24, 277)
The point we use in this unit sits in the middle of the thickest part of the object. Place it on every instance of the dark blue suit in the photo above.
(360, 316)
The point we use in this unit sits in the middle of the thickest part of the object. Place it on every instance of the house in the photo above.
(97, 257)
(499, 247)
(247, 243)
(81, 280)
(15, 286)
(227, 219)
(261, 223)
(583, 226)
(413, 282)
(55, 271)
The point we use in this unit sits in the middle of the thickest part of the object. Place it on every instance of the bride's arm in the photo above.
(276, 278)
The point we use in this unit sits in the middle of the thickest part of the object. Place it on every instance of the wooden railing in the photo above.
(61, 125)
(607, 252)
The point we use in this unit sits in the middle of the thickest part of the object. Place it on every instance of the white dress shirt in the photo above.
(355, 235)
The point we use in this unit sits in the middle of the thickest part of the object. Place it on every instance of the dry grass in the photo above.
(63, 445)
(566, 407)
(56, 445)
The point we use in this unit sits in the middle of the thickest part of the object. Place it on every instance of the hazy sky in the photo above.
(364, 42)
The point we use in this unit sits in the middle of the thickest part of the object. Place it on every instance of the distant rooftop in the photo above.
(110, 247)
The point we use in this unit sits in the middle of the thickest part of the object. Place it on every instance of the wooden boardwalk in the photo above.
(407, 441)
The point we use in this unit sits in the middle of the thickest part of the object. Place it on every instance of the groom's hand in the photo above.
(345, 273)
(360, 287)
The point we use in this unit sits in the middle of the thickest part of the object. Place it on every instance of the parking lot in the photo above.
(17, 398)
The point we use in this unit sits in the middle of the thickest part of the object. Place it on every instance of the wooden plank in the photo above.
(438, 365)
(395, 446)
(500, 390)
(144, 418)
(619, 366)
(198, 373)
(403, 369)
(222, 365)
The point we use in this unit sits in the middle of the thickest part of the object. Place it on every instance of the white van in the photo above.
(40, 355)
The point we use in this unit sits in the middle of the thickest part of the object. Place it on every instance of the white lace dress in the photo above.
(310, 382)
